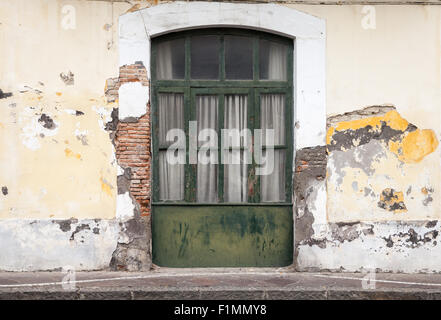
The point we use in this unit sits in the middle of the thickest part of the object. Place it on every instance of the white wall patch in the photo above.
(133, 99)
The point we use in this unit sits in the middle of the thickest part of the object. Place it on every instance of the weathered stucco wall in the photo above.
(57, 160)
(58, 170)
(378, 170)
(383, 128)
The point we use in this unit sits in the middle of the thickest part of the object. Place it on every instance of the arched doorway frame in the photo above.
(307, 32)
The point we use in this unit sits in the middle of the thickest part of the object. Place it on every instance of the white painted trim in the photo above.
(308, 33)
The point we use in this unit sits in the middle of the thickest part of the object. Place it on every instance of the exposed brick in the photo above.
(133, 139)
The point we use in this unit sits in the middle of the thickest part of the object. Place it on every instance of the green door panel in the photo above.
(222, 236)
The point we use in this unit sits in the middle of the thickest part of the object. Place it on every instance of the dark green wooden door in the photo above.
(222, 236)
(222, 65)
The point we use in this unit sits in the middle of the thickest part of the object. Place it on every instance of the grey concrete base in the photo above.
(217, 284)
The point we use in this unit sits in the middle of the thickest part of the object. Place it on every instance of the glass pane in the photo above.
(273, 60)
(235, 177)
(171, 115)
(205, 57)
(272, 185)
(238, 58)
(236, 160)
(272, 116)
(171, 175)
(207, 169)
(170, 60)
(207, 177)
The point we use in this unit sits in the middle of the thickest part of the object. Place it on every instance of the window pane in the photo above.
(235, 177)
(238, 58)
(272, 116)
(170, 60)
(236, 162)
(171, 114)
(273, 60)
(171, 168)
(207, 177)
(207, 170)
(205, 57)
(272, 185)
(171, 175)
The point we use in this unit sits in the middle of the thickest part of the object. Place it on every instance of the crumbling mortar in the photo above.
(310, 168)
(133, 251)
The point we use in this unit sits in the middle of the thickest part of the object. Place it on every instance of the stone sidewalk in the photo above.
(217, 284)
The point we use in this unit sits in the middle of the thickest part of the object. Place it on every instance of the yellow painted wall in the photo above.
(57, 176)
(69, 171)
(397, 63)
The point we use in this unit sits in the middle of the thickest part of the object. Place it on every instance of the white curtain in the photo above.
(235, 175)
(277, 66)
(272, 117)
(171, 114)
(272, 186)
(207, 174)
(171, 176)
(164, 66)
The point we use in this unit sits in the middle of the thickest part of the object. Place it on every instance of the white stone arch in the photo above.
(308, 34)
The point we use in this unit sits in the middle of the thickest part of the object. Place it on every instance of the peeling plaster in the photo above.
(4, 95)
(371, 185)
(375, 159)
(405, 140)
(392, 200)
(34, 127)
(383, 246)
(81, 135)
(71, 243)
(104, 116)
(68, 78)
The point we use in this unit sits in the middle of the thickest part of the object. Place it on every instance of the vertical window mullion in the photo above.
(255, 125)
(290, 64)
(187, 58)
(222, 59)
(289, 142)
(256, 59)
(190, 177)
(220, 151)
(155, 122)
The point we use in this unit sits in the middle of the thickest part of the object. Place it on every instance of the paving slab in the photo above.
(210, 284)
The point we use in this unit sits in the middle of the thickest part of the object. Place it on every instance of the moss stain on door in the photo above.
(222, 236)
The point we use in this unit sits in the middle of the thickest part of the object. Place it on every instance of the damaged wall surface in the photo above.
(75, 172)
(61, 201)
(380, 167)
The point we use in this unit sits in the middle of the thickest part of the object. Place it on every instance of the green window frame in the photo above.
(221, 87)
